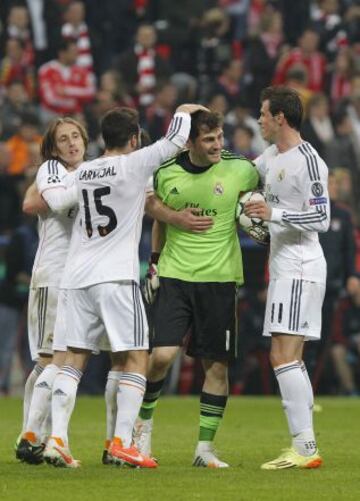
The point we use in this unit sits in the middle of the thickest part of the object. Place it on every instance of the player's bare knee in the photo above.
(161, 360)
(59, 358)
(137, 361)
(281, 357)
(216, 377)
(44, 360)
(77, 358)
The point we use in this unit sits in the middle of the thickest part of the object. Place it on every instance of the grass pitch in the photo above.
(253, 431)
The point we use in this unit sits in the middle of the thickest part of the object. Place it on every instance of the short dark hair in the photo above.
(284, 100)
(204, 120)
(118, 125)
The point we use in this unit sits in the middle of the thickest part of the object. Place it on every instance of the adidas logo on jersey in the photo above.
(305, 325)
(174, 191)
(43, 384)
(59, 393)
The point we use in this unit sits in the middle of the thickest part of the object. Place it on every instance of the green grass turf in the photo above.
(254, 430)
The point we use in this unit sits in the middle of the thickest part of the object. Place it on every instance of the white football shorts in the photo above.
(41, 320)
(293, 306)
(115, 306)
(60, 330)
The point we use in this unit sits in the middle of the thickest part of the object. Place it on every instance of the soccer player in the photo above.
(297, 208)
(199, 275)
(62, 151)
(102, 276)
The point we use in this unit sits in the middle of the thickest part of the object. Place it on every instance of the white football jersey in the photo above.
(111, 193)
(54, 228)
(296, 188)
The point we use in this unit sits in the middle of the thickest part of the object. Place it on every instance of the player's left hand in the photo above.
(258, 209)
(152, 282)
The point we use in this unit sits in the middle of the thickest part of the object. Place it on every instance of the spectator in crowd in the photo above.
(297, 79)
(19, 257)
(296, 16)
(338, 245)
(308, 54)
(111, 93)
(16, 104)
(341, 151)
(229, 81)
(351, 19)
(178, 24)
(241, 141)
(14, 67)
(241, 115)
(218, 103)
(339, 75)
(214, 49)
(352, 106)
(261, 55)
(64, 87)
(141, 67)
(113, 82)
(159, 114)
(9, 195)
(326, 19)
(18, 27)
(46, 20)
(76, 29)
(24, 146)
(317, 128)
(345, 350)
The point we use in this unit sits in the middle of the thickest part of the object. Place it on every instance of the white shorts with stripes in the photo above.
(294, 307)
(59, 343)
(41, 320)
(115, 306)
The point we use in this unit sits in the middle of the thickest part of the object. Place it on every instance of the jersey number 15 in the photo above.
(103, 210)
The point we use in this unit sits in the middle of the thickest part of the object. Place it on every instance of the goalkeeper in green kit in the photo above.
(199, 273)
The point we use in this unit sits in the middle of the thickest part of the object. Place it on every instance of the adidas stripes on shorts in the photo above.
(294, 306)
(116, 307)
(41, 320)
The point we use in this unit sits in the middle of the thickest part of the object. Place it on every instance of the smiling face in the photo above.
(69, 145)
(206, 148)
(269, 124)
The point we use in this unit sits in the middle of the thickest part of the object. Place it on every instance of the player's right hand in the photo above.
(191, 108)
(189, 219)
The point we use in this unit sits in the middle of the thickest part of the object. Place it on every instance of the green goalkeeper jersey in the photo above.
(215, 255)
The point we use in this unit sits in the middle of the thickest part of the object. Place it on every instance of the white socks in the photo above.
(310, 389)
(63, 400)
(111, 390)
(40, 406)
(129, 399)
(294, 389)
(28, 391)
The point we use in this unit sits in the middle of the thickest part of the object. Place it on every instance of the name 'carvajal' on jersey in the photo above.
(90, 174)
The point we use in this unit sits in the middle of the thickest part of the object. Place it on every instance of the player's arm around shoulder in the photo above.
(56, 186)
(33, 203)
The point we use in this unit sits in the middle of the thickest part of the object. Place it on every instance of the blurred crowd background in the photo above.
(82, 58)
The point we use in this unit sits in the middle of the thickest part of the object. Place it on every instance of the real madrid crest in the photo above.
(281, 175)
(218, 189)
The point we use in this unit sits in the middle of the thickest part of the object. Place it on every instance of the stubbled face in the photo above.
(269, 125)
(69, 145)
(206, 149)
